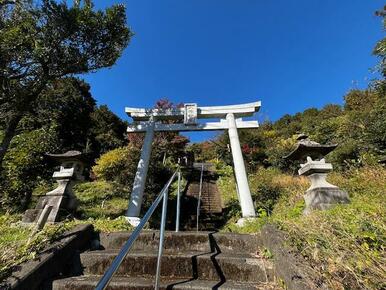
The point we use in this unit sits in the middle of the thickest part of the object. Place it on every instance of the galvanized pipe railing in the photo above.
(199, 197)
(178, 206)
(105, 280)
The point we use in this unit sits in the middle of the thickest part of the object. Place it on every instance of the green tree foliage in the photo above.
(359, 128)
(119, 166)
(205, 151)
(67, 114)
(380, 48)
(166, 145)
(25, 166)
(65, 105)
(107, 129)
(42, 41)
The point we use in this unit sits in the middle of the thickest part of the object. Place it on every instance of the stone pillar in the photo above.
(135, 203)
(245, 198)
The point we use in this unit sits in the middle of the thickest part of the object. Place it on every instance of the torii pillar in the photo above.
(245, 198)
(134, 208)
(189, 114)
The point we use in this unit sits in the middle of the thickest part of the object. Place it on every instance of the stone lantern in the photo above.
(321, 194)
(62, 198)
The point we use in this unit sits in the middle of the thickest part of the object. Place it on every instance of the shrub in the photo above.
(89, 192)
(270, 185)
(118, 165)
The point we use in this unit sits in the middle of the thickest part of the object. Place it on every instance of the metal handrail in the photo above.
(199, 196)
(105, 280)
(178, 205)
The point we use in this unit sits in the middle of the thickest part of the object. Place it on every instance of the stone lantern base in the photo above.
(323, 198)
(321, 195)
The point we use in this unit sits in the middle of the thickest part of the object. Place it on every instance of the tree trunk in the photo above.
(9, 134)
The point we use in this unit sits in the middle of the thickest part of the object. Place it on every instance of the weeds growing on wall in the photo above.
(16, 247)
(14, 244)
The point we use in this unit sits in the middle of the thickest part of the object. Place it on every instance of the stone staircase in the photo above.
(211, 206)
(191, 260)
(210, 196)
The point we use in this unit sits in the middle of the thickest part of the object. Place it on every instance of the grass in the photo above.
(345, 244)
(16, 245)
(101, 200)
(101, 204)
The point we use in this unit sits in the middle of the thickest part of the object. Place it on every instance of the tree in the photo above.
(42, 41)
(64, 105)
(107, 130)
(380, 47)
(24, 166)
(65, 117)
(165, 144)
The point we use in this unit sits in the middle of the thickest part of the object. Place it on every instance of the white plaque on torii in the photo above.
(147, 120)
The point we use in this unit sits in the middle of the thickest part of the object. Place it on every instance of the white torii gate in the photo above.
(190, 113)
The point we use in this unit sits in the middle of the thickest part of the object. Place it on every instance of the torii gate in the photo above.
(190, 113)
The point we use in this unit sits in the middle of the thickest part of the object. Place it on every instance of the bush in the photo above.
(89, 192)
(118, 165)
(270, 185)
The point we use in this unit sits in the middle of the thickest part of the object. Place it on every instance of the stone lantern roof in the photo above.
(67, 156)
(307, 148)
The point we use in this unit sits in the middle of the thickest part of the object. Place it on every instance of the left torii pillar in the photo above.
(134, 209)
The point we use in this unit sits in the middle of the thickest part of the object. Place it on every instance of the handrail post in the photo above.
(199, 196)
(108, 275)
(161, 239)
(178, 201)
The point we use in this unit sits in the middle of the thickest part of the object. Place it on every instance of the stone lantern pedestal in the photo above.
(61, 200)
(321, 194)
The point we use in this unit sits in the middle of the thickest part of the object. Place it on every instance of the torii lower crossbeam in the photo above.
(208, 126)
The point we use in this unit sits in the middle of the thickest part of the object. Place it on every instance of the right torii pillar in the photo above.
(246, 202)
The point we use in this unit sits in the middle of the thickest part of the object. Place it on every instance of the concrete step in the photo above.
(198, 265)
(185, 241)
(127, 283)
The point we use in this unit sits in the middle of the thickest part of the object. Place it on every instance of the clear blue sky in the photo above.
(290, 54)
